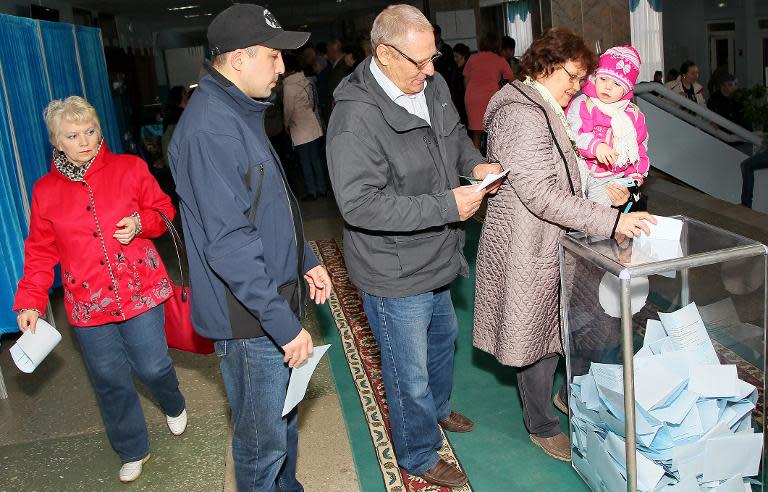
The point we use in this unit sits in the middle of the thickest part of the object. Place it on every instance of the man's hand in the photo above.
(606, 155)
(482, 170)
(468, 200)
(297, 350)
(618, 194)
(631, 224)
(319, 282)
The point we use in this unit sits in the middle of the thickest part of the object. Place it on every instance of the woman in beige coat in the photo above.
(302, 121)
(518, 271)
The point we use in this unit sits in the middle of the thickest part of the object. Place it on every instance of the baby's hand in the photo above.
(606, 155)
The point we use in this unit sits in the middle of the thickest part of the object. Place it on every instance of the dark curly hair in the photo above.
(554, 48)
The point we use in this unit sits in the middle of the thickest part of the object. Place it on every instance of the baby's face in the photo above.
(608, 91)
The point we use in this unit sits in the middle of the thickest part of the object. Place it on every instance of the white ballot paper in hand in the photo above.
(31, 348)
(490, 179)
(665, 228)
(300, 376)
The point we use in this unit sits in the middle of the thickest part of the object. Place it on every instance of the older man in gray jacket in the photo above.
(396, 150)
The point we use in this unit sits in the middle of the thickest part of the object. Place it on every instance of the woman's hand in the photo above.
(126, 231)
(27, 320)
(606, 155)
(482, 170)
(631, 224)
(619, 195)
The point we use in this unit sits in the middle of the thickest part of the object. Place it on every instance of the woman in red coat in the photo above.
(95, 213)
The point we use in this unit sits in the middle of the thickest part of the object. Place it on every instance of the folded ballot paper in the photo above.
(31, 348)
(662, 244)
(693, 415)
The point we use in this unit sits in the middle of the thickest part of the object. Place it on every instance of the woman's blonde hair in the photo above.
(395, 22)
(74, 109)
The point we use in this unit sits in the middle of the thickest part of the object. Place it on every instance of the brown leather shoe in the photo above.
(445, 475)
(558, 446)
(456, 422)
(560, 404)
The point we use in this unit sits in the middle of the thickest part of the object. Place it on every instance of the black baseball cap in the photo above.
(246, 24)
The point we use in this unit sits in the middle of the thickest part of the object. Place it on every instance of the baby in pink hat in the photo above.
(610, 131)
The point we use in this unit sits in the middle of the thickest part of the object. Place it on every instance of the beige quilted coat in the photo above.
(518, 273)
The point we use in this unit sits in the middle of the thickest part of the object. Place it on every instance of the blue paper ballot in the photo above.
(654, 331)
(734, 412)
(690, 426)
(676, 410)
(586, 470)
(589, 394)
(648, 472)
(687, 330)
(734, 484)
(708, 413)
(608, 469)
(688, 484)
(643, 353)
(299, 380)
(713, 381)
(725, 457)
(744, 391)
(720, 313)
(654, 384)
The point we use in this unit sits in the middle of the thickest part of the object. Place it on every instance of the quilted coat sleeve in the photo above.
(521, 139)
(152, 201)
(40, 256)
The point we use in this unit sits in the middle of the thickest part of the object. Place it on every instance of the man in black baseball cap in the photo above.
(245, 24)
(250, 267)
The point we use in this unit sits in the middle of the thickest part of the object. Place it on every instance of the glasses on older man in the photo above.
(574, 77)
(419, 65)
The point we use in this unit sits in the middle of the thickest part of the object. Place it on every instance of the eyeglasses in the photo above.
(419, 65)
(574, 78)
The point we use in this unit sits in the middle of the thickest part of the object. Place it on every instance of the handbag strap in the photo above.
(177, 241)
(554, 138)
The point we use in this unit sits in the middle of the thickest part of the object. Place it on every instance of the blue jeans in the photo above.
(417, 336)
(263, 442)
(311, 158)
(113, 354)
(748, 168)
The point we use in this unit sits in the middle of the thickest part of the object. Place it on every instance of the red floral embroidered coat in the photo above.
(72, 223)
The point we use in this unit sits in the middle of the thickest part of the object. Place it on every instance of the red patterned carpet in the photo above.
(362, 354)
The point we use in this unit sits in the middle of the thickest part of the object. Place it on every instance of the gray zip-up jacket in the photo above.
(392, 176)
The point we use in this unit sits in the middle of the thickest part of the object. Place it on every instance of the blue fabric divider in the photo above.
(61, 59)
(13, 227)
(97, 91)
(27, 88)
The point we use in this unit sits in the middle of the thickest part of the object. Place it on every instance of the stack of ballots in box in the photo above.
(693, 415)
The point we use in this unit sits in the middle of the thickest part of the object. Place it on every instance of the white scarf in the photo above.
(552, 103)
(624, 133)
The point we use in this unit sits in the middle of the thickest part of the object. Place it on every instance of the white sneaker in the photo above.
(177, 424)
(132, 470)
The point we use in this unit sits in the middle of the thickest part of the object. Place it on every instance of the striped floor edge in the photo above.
(362, 356)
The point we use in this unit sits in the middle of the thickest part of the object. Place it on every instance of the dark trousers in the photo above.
(535, 385)
(748, 168)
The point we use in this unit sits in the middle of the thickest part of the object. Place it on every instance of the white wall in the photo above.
(686, 36)
(698, 159)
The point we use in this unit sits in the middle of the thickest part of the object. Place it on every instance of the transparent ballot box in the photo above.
(665, 348)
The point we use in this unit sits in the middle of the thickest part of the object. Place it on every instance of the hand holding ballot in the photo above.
(468, 200)
(631, 224)
(27, 320)
(489, 176)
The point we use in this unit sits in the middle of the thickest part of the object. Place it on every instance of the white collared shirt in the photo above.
(415, 104)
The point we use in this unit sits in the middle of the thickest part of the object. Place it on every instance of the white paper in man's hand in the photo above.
(490, 178)
(300, 376)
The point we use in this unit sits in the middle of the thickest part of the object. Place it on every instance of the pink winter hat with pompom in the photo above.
(622, 64)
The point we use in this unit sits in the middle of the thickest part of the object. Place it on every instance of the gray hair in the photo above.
(395, 22)
(74, 109)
